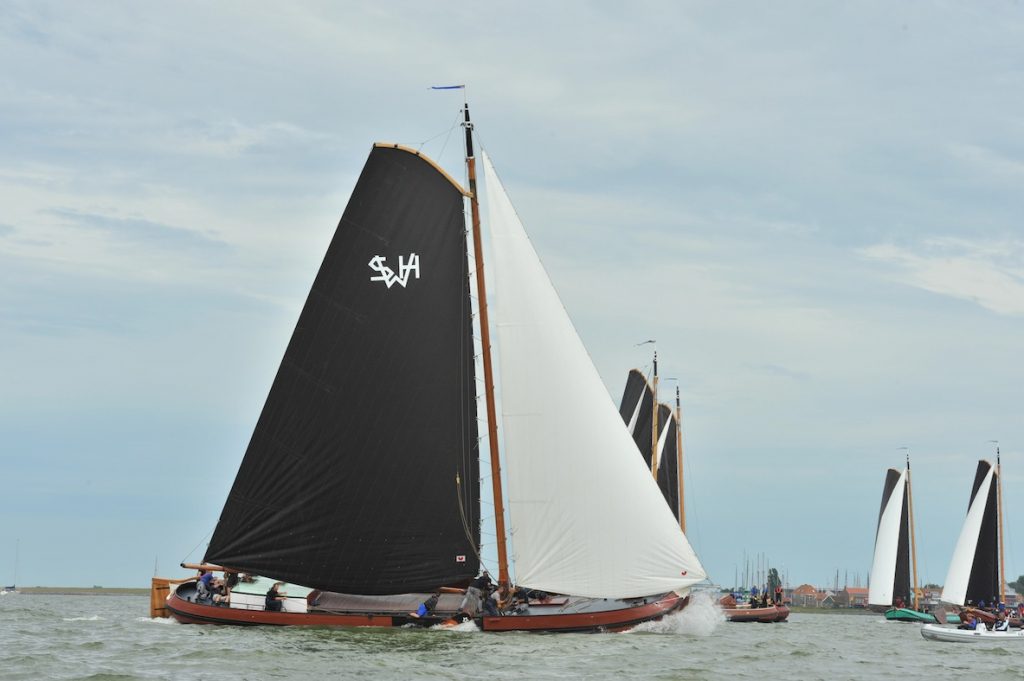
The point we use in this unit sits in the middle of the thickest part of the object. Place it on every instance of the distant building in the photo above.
(805, 596)
(852, 597)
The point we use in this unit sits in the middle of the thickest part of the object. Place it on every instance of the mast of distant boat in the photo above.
(999, 503)
(679, 463)
(485, 342)
(913, 543)
(654, 420)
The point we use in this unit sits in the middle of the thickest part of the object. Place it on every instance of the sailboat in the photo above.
(658, 438)
(13, 587)
(976, 577)
(895, 553)
(360, 487)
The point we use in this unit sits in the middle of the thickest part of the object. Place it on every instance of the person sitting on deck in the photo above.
(490, 605)
(426, 607)
(1002, 623)
(221, 592)
(968, 623)
(275, 598)
(899, 604)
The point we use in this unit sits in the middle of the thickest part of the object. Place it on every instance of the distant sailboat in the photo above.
(13, 587)
(366, 509)
(976, 578)
(895, 557)
(659, 440)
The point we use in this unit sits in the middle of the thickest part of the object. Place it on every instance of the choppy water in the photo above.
(110, 637)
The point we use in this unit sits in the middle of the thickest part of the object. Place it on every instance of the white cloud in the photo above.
(989, 273)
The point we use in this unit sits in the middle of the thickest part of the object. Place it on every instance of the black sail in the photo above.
(668, 463)
(983, 584)
(636, 411)
(349, 480)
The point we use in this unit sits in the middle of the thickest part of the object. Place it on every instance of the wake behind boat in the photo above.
(369, 512)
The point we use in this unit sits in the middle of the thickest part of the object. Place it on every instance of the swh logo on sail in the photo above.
(388, 276)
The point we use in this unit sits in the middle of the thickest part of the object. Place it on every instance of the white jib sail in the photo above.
(585, 515)
(662, 438)
(955, 589)
(636, 413)
(883, 566)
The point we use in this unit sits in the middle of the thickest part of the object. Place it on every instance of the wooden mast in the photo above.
(999, 499)
(654, 420)
(913, 543)
(679, 463)
(485, 342)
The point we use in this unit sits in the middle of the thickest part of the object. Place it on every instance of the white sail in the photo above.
(586, 517)
(887, 541)
(662, 438)
(955, 589)
(636, 414)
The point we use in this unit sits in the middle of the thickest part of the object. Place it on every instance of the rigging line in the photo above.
(448, 132)
(447, 139)
(205, 537)
(465, 523)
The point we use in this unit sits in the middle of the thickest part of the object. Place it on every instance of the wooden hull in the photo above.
(598, 618)
(773, 613)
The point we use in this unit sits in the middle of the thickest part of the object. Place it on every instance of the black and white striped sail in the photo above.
(890, 567)
(349, 480)
(635, 410)
(585, 514)
(668, 457)
(974, 571)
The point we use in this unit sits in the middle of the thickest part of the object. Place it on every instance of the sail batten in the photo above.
(372, 415)
(586, 517)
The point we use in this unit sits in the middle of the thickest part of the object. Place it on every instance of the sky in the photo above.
(814, 208)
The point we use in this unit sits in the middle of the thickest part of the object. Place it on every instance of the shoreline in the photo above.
(82, 591)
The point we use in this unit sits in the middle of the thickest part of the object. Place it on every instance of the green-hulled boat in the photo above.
(908, 615)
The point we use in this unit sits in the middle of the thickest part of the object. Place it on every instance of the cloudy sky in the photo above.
(815, 208)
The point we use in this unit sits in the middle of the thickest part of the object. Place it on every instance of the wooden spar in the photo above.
(485, 342)
(999, 500)
(679, 464)
(913, 544)
(209, 567)
(654, 420)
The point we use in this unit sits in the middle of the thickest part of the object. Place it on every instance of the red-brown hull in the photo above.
(772, 613)
(188, 612)
(609, 620)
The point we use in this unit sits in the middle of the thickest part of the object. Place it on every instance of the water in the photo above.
(110, 638)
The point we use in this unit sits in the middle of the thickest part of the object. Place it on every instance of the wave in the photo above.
(157, 620)
(700, 618)
(94, 618)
